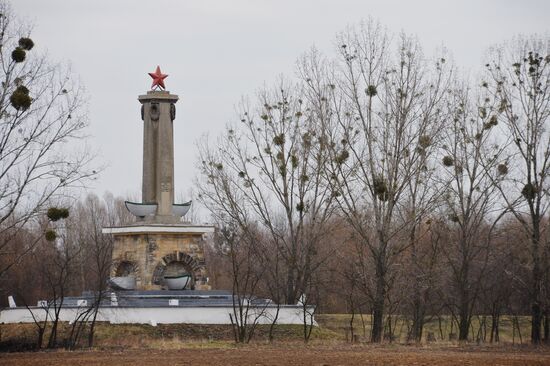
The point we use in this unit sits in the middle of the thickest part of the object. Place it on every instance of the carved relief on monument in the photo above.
(154, 111)
(151, 248)
(172, 111)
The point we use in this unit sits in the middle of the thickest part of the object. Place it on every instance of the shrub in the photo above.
(20, 100)
(279, 140)
(448, 161)
(453, 218)
(371, 90)
(424, 141)
(55, 214)
(26, 43)
(529, 191)
(342, 157)
(18, 54)
(502, 169)
(50, 235)
(380, 189)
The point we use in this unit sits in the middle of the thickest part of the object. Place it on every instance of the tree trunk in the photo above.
(273, 323)
(536, 318)
(464, 300)
(536, 314)
(546, 328)
(418, 305)
(52, 341)
(378, 304)
(495, 317)
(464, 317)
(352, 318)
(40, 338)
(92, 325)
(290, 287)
(418, 319)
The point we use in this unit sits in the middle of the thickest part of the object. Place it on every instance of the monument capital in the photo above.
(158, 96)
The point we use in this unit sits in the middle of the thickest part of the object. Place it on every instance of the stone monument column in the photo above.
(158, 250)
(158, 112)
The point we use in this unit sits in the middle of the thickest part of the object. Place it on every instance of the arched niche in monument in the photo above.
(126, 268)
(126, 275)
(174, 266)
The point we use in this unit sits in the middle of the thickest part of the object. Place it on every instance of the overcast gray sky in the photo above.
(217, 51)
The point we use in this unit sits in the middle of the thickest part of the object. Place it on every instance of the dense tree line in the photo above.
(69, 255)
(381, 180)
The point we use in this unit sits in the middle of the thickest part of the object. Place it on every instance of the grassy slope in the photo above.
(340, 323)
(332, 327)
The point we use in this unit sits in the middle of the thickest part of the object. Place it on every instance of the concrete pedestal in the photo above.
(147, 250)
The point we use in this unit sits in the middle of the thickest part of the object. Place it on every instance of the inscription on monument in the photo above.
(166, 186)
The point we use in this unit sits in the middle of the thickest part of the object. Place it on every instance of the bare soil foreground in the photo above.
(288, 354)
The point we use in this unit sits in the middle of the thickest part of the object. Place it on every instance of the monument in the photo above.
(158, 267)
(158, 250)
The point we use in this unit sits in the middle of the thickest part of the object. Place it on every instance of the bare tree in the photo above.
(41, 113)
(246, 274)
(57, 260)
(375, 111)
(471, 163)
(518, 78)
(500, 283)
(423, 261)
(116, 211)
(22, 292)
(272, 162)
(91, 216)
(421, 198)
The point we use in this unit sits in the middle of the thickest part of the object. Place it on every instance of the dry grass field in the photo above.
(212, 345)
(286, 354)
(339, 325)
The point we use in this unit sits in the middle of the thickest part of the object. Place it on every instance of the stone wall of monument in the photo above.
(148, 255)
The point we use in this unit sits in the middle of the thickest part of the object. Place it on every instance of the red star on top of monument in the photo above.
(158, 79)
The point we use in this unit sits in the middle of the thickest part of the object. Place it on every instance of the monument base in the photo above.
(163, 307)
(150, 252)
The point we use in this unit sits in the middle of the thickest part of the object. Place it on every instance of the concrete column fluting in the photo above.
(158, 111)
